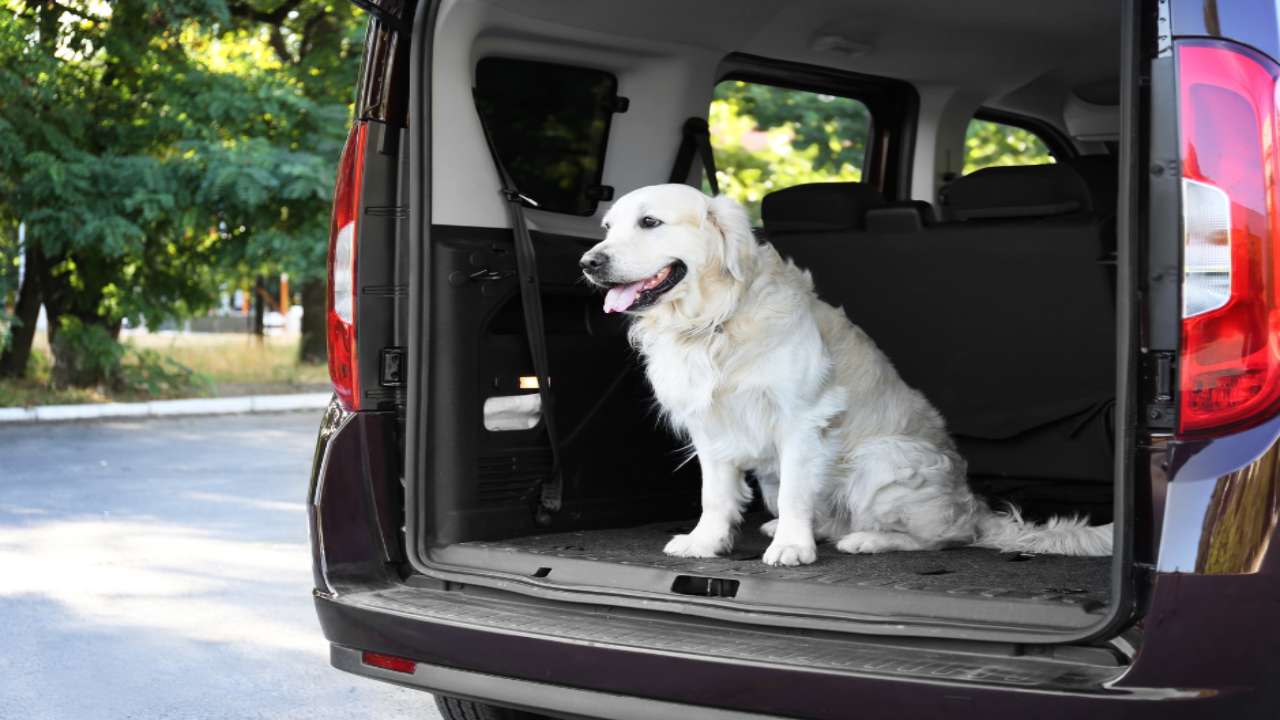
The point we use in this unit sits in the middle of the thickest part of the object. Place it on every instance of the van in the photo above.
(1061, 221)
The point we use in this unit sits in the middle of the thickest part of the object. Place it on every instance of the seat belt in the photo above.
(531, 298)
(695, 140)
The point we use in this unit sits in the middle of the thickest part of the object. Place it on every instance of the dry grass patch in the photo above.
(225, 364)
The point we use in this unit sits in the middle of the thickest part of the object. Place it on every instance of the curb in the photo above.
(167, 408)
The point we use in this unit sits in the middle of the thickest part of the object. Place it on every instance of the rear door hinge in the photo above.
(1160, 410)
(391, 364)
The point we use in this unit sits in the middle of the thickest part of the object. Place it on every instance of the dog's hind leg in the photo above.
(906, 494)
(724, 494)
(862, 541)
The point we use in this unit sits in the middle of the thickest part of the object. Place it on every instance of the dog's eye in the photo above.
(649, 221)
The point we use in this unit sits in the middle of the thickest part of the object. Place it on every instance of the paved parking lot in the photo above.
(159, 569)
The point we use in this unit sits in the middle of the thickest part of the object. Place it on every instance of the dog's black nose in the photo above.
(593, 261)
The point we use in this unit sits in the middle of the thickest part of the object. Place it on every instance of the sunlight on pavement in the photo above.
(160, 569)
(158, 576)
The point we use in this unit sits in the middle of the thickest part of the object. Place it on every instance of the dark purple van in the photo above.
(1060, 220)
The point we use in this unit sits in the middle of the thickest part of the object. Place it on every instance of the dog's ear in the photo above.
(739, 243)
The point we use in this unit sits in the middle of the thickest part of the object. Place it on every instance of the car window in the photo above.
(767, 138)
(550, 124)
(991, 144)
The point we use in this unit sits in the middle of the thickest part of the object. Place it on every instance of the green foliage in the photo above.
(157, 151)
(154, 374)
(767, 138)
(86, 354)
(38, 366)
(990, 144)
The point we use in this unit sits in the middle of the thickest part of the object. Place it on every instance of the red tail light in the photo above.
(388, 662)
(1230, 359)
(340, 312)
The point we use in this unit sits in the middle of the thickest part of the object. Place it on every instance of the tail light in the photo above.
(388, 662)
(1230, 356)
(340, 311)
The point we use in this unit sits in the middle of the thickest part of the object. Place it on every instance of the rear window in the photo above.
(767, 138)
(993, 144)
(550, 124)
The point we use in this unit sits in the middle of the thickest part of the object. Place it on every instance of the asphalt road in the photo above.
(159, 569)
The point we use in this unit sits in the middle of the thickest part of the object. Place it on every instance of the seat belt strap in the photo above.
(531, 299)
(695, 140)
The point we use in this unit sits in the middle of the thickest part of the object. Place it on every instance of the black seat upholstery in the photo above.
(1033, 191)
(1101, 175)
(820, 207)
(1005, 320)
(903, 216)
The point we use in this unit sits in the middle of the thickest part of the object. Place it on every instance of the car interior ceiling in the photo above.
(997, 301)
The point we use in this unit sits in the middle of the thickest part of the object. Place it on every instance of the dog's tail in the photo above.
(1006, 531)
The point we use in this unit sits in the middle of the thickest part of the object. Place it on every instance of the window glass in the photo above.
(767, 138)
(991, 144)
(550, 124)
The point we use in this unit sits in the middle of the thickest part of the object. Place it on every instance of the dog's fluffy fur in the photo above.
(762, 376)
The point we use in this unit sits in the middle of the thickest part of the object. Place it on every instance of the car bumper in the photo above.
(573, 660)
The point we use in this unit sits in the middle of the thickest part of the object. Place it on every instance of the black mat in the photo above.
(972, 572)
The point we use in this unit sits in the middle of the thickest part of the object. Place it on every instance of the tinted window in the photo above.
(990, 144)
(550, 124)
(767, 138)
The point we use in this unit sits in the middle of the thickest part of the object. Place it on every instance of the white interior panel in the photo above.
(1025, 57)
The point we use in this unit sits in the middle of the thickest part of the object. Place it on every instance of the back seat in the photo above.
(819, 207)
(1004, 315)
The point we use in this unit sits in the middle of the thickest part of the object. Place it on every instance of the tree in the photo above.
(317, 47)
(988, 144)
(156, 149)
(767, 138)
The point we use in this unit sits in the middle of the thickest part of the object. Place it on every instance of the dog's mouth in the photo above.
(632, 296)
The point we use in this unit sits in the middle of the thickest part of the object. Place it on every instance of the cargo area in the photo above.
(1042, 588)
(992, 289)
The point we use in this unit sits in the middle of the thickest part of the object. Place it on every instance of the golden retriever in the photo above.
(760, 375)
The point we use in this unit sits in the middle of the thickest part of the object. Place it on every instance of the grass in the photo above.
(226, 364)
(227, 359)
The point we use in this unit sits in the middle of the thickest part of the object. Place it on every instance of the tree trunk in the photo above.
(313, 346)
(13, 361)
(90, 356)
(259, 302)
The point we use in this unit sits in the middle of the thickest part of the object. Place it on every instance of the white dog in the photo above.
(762, 376)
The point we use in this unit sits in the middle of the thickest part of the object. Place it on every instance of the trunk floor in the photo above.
(1051, 579)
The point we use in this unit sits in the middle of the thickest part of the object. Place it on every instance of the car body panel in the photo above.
(1255, 23)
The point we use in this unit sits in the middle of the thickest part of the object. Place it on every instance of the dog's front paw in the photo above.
(694, 545)
(790, 553)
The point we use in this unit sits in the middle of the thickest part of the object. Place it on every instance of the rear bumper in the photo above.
(579, 660)
(525, 695)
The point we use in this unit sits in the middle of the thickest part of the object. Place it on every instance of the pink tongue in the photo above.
(622, 297)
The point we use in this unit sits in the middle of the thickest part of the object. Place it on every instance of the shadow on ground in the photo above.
(159, 569)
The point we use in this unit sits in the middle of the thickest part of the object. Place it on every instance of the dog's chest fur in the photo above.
(714, 404)
(725, 394)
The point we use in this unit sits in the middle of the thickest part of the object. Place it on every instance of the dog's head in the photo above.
(672, 246)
